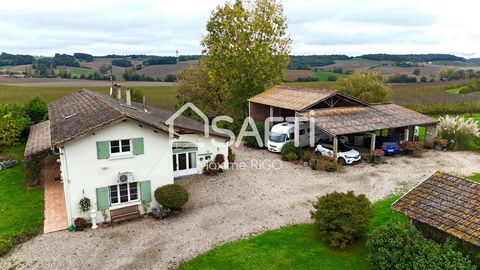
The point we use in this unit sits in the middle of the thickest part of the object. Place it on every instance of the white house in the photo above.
(116, 153)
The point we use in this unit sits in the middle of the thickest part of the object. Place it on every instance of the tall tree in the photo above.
(366, 86)
(246, 51)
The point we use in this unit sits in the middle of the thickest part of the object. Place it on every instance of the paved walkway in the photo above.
(55, 211)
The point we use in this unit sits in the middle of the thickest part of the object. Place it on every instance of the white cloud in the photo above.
(160, 27)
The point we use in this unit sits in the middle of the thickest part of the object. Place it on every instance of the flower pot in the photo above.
(439, 147)
(79, 228)
(376, 159)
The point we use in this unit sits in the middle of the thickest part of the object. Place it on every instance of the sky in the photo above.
(161, 27)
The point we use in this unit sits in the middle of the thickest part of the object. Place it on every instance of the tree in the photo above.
(416, 72)
(194, 86)
(246, 49)
(366, 86)
(341, 218)
(36, 109)
(423, 79)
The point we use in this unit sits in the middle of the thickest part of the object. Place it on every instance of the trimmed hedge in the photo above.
(290, 152)
(172, 196)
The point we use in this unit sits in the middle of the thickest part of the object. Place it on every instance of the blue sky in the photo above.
(162, 27)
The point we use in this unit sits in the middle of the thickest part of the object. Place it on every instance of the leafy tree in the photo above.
(122, 63)
(246, 49)
(366, 86)
(423, 79)
(160, 60)
(416, 72)
(104, 69)
(170, 78)
(83, 56)
(402, 79)
(13, 122)
(36, 109)
(341, 218)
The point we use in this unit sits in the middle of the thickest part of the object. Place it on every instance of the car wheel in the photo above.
(342, 161)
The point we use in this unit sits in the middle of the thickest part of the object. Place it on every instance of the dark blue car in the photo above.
(389, 146)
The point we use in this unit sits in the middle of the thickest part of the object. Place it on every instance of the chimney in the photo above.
(111, 91)
(116, 91)
(128, 97)
(144, 104)
(119, 92)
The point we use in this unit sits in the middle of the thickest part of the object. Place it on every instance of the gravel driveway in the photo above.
(227, 207)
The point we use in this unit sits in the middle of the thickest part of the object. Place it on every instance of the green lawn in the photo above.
(21, 209)
(323, 75)
(292, 247)
(160, 96)
(475, 177)
(455, 90)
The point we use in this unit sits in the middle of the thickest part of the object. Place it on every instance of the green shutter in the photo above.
(102, 198)
(145, 191)
(103, 150)
(137, 146)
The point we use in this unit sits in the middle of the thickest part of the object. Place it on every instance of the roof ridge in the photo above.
(97, 95)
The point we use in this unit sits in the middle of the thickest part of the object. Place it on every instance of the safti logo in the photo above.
(245, 131)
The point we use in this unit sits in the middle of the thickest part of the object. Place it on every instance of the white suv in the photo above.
(345, 155)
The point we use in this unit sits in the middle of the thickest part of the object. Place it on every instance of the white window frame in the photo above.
(128, 194)
(121, 153)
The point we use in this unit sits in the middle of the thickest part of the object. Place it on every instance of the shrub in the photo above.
(291, 148)
(33, 169)
(231, 155)
(472, 86)
(13, 122)
(401, 245)
(5, 246)
(328, 164)
(410, 147)
(171, 196)
(332, 78)
(458, 131)
(291, 156)
(80, 222)
(36, 109)
(313, 164)
(211, 168)
(219, 159)
(341, 218)
(307, 79)
(307, 155)
(251, 141)
(160, 212)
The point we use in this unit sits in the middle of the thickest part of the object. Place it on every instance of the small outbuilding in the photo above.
(338, 114)
(444, 205)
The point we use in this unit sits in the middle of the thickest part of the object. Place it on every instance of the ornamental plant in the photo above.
(378, 153)
(85, 204)
(342, 218)
(459, 131)
(171, 196)
(410, 147)
(289, 148)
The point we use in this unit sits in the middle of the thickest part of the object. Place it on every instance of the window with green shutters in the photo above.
(106, 149)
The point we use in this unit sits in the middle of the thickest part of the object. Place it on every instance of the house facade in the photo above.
(117, 153)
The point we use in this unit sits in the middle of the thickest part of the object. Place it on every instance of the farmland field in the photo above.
(323, 75)
(292, 75)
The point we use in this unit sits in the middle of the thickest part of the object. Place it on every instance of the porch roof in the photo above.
(39, 139)
(350, 120)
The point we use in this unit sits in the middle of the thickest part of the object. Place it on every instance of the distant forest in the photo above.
(413, 57)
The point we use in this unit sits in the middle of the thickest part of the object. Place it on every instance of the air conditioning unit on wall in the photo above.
(125, 177)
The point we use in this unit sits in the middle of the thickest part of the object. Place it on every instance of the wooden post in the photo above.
(430, 134)
(407, 134)
(335, 148)
(271, 116)
(372, 143)
(296, 128)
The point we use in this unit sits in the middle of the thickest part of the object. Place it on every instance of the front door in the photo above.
(185, 163)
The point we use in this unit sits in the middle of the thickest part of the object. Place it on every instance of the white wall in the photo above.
(82, 172)
(206, 146)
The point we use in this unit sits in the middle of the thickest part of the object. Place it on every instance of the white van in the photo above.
(283, 133)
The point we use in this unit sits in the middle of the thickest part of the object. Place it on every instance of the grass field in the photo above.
(323, 75)
(77, 71)
(159, 96)
(475, 177)
(21, 209)
(292, 247)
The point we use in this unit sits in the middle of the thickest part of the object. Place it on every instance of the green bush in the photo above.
(341, 218)
(327, 164)
(461, 133)
(13, 121)
(211, 168)
(400, 246)
(472, 86)
(5, 246)
(291, 148)
(36, 109)
(307, 155)
(410, 148)
(291, 156)
(171, 196)
(251, 141)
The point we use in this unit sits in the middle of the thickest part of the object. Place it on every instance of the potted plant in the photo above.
(105, 223)
(440, 144)
(80, 224)
(377, 155)
(410, 147)
(145, 206)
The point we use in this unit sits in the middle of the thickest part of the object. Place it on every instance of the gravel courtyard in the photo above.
(225, 208)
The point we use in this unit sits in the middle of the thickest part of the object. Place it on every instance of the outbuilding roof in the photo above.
(86, 111)
(291, 98)
(38, 139)
(446, 202)
(358, 119)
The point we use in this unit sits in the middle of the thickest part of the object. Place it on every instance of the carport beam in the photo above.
(407, 134)
(335, 148)
(372, 143)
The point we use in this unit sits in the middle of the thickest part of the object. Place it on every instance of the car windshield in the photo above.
(343, 148)
(390, 144)
(277, 137)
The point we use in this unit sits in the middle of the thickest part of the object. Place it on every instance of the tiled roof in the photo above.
(87, 111)
(38, 139)
(349, 120)
(446, 202)
(291, 98)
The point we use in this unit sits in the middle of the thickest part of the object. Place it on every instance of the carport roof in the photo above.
(350, 120)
